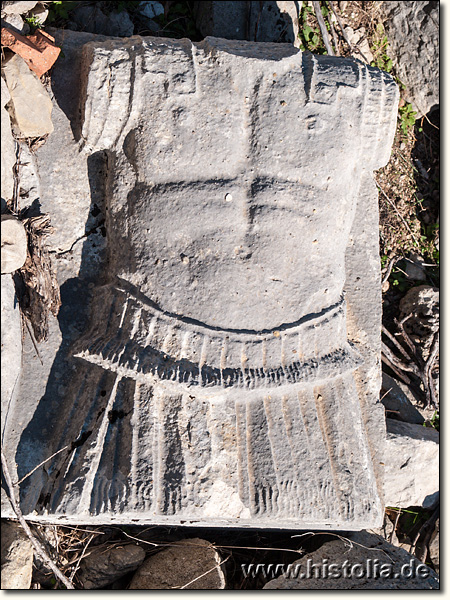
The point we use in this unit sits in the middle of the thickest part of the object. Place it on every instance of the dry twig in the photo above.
(36, 545)
(323, 27)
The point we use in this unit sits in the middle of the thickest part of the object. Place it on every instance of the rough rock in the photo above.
(423, 303)
(11, 345)
(184, 565)
(17, 8)
(412, 465)
(8, 150)
(15, 22)
(29, 184)
(44, 177)
(395, 400)
(426, 412)
(415, 270)
(103, 567)
(14, 244)
(30, 106)
(151, 9)
(16, 557)
(413, 33)
(434, 547)
(40, 14)
(358, 39)
(254, 21)
(360, 561)
(92, 19)
(253, 468)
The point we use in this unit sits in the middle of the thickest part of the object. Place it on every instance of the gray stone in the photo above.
(14, 244)
(92, 19)
(395, 400)
(422, 302)
(8, 150)
(236, 288)
(11, 340)
(120, 24)
(103, 567)
(16, 557)
(30, 106)
(421, 305)
(255, 21)
(15, 22)
(192, 564)
(433, 547)
(151, 9)
(17, 8)
(413, 33)
(28, 176)
(357, 561)
(412, 465)
(44, 178)
(359, 40)
(40, 14)
(414, 267)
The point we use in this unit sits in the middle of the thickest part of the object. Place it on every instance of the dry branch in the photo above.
(323, 28)
(36, 545)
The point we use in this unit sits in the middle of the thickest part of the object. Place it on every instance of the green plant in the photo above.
(59, 11)
(380, 50)
(407, 117)
(433, 422)
(399, 280)
(309, 32)
(33, 23)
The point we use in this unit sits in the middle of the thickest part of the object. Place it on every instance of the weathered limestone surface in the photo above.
(191, 564)
(102, 567)
(413, 33)
(8, 151)
(14, 244)
(412, 465)
(360, 561)
(221, 381)
(30, 106)
(16, 557)
(17, 8)
(11, 345)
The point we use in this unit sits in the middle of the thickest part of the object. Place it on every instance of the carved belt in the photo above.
(134, 337)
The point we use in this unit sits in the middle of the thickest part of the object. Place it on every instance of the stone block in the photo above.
(253, 21)
(395, 400)
(30, 107)
(231, 373)
(103, 567)
(413, 34)
(358, 561)
(37, 50)
(14, 244)
(17, 557)
(192, 564)
(11, 341)
(412, 465)
(8, 149)
(17, 8)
